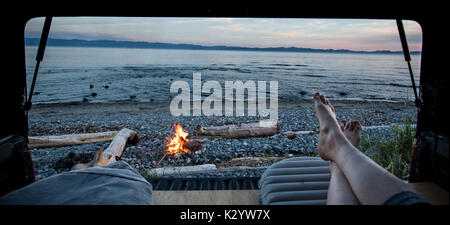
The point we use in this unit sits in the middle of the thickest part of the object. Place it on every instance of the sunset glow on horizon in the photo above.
(352, 34)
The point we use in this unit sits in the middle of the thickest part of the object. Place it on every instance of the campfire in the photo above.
(176, 144)
(179, 143)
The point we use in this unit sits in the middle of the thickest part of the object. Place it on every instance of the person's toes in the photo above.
(319, 103)
(323, 99)
(328, 103)
(352, 125)
(331, 106)
(323, 108)
(318, 100)
(341, 125)
(316, 95)
(357, 126)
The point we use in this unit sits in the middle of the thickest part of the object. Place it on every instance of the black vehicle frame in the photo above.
(430, 160)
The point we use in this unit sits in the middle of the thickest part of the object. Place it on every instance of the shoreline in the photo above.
(78, 43)
(81, 108)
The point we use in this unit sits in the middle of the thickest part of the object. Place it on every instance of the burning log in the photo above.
(115, 149)
(70, 139)
(180, 143)
(193, 145)
(262, 128)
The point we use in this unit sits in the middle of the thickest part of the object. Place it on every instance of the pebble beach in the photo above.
(153, 122)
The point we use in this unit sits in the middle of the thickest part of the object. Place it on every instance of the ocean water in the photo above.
(66, 73)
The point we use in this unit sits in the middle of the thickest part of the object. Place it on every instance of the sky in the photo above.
(353, 34)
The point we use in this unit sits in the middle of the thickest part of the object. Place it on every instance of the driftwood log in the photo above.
(193, 145)
(98, 159)
(115, 149)
(294, 134)
(70, 139)
(242, 130)
(118, 145)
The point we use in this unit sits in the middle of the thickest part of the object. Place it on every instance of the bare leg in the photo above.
(339, 191)
(371, 183)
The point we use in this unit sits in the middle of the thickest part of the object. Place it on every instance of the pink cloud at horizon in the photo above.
(365, 35)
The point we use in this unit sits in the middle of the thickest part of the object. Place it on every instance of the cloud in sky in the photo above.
(351, 34)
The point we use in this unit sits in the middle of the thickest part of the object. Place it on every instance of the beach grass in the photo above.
(395, 153)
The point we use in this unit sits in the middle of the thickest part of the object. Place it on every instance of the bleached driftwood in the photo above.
(242, 130)
(118, 145)
(164, 171)
(98, 159)
(70, 139)
(294, 134)
(198, 169)
(115, 149)
(249, 161)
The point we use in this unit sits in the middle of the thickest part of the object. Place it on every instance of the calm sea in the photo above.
(66, 73)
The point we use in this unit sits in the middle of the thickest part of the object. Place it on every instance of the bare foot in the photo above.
(331, 137)
(352, 131)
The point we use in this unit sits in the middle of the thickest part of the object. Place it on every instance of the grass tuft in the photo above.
(393, 154)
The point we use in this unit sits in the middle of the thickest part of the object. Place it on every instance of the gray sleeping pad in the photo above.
(115, 184)
(295, 181)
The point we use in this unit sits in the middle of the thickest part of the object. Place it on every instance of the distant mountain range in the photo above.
(157, 45)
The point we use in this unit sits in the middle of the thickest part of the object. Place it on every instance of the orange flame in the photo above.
(176, 144)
